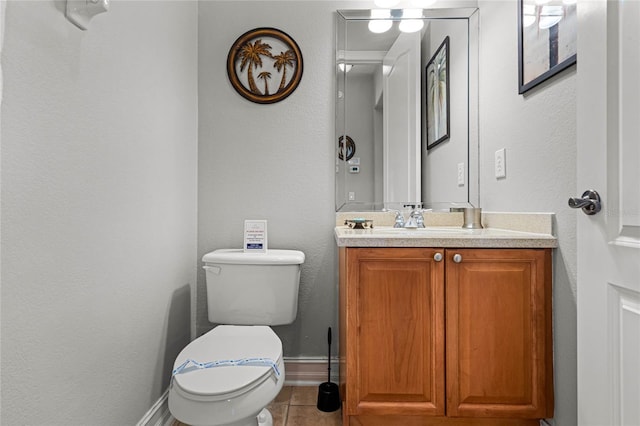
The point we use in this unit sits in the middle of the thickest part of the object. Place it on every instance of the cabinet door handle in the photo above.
(457, 258)
(437, 257)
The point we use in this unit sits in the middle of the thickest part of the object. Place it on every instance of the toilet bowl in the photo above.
(228, 394)
(230, 374)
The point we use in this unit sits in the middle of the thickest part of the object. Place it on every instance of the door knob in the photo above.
(590, 202)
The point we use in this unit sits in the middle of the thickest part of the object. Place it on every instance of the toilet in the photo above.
(230, 374)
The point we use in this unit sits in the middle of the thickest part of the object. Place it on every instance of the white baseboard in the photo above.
(298, 372)
(159, 414)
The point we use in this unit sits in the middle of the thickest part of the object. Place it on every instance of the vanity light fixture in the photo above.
(423, 4)
(412, 20)
(380, 21)
(386, 4)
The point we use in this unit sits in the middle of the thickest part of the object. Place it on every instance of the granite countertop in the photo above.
(501, 230)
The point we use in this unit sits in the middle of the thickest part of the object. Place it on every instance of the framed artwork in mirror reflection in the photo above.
(437, 96)
(346, 150)
(547, 40)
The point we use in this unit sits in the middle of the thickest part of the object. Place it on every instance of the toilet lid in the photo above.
(228, 342)
(239, 256)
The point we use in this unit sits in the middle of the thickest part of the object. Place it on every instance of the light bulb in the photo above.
(379, 26)
(379, 20)
(386, 4)
(412, 13)
(411, 20)
(423, 4)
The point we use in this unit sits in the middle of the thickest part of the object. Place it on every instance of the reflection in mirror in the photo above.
(382, 106)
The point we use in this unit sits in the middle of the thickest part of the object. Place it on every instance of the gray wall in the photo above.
(273, 162)
(440, 163)
(98, 209)
(538, 131)
(360, 126)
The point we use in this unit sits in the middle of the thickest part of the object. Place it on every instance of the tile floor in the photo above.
(296, 406)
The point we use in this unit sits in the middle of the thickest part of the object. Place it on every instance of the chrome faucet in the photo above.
(416, 220)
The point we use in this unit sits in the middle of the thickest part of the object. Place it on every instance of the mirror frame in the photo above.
(471, 14)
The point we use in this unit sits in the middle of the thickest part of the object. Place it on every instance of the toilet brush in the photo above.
(328, 393)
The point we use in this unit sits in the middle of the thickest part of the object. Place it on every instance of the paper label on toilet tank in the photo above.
(255, 236)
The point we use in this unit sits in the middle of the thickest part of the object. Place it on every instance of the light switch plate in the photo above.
(460, 174)
(501, 164)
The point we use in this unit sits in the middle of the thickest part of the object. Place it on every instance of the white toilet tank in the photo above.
(252, 288)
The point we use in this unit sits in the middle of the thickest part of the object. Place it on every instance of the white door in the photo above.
(608, 270)
(401, 121)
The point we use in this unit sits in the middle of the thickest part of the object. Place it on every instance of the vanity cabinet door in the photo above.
(393, 301)
(499, 339)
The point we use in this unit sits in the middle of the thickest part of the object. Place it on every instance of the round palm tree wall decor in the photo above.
(264, 65)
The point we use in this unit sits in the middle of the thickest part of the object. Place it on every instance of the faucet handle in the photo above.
(420, 219)
(416, 214)
(399, 217)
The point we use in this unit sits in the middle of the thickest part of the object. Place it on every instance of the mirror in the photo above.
(384, 115)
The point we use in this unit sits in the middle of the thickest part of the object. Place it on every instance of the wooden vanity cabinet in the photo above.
(391, 323)
(429, 340)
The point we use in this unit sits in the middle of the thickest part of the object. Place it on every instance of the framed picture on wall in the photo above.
(437, 96)
(264, 65)
(547, 40)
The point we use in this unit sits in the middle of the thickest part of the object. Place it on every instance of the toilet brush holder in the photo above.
(328, 397)
(328, 393)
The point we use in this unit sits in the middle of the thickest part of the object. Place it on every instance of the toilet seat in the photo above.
(227, 342)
